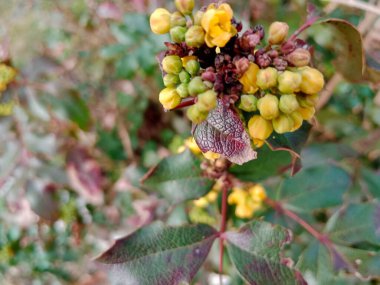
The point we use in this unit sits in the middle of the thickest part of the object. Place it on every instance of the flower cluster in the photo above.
(267, 78)
(7, 75)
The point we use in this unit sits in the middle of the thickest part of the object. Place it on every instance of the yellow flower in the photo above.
(247, 201)
(211, 155)
(160, 21)
(216, 21)
(192, 145)
(186, 59)
(257, 193)
(259, 128)
(249, 79)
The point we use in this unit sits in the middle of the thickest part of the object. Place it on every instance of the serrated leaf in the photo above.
(268, 163)
(159, 255)
(178, 178)
(348, 45)
(223, 132)
(315, 188)
(255, 250)
(356, 223)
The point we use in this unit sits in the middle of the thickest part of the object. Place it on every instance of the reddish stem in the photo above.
(305, 26)
(185, 103)
(222, 230)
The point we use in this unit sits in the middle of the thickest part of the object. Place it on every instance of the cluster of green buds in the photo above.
(269, 77)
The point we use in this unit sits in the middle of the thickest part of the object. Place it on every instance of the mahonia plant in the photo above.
(243, 90)
(235, 81)
(7, 76)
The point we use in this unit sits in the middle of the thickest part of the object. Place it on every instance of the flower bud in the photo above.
(312, 80)
(198, 18)
(169, 98)
(289, 82)
(195, 115)
(268, 107)
(248, 80)
(177, 20)
(184, 77)
(171, 80)
(297, 120)
(207, 101)
(259, 128)
(308, 100)
(172, 64)
(248, 103)
(177, 34)
(278, 31)
(209, 76)
(267, 78)
(195, 36)
(192, 67)
(300, 57)
(160, 21)
(196, 86)
(183, 90)
(307, 113)
(283, 124)
(288, 103)
(242, 65)
(185, 6)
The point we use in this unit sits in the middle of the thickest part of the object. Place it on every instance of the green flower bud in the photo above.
(299, 57)
(172, 64)
(248, 103)
(289, 82)
(208, 84)
(297, 120)
(259, 128)
(177, 34)
(177, 19)
(207, 100)
(183, 90)
(312, 80)
(185, 6)
(195, 115)
(266, 78)
(160, 21)
(288, 103)
(198, 18)
(171, 80)
(192, 67)
(278, 31)
(283, 124)
(169, 98)
(268, 107)
(195, 36)
(184, 76)
(196, 86)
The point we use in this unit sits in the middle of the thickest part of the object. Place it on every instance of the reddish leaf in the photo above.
(223, 132)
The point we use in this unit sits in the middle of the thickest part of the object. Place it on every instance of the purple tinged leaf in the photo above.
(223, 132)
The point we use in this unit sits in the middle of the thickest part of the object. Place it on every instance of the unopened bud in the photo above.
(177, 34)
(192, 67)
(289, 82)
(268, 107)
(172, 64)
(259, 128)
(185, 6)
(169, 98)
(184, 76)
(209, 76)
(171, 80)
(183, 90)
(300, 57)
(196, 86)
(267, 78)
(297, 120)
(195, 36)
(312, 80)
(195, 115)
(160, 21)
(198, 18)
(280, 63)
(278, 31)
(283, 124)
(242, 65)
(177, 19)
(307, 100)
(288, 103)
(207, 101)
(307, 113)
(248, 103)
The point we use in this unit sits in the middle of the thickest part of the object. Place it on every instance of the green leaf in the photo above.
(76, 109)
(255, 250)
(267, 164)
(178, 178)
(348, 45)
(372, 181)
(110, 143)
(356, 223)
(159, 255)
(315, 188)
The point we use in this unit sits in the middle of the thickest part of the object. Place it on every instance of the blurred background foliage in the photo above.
(87, 125)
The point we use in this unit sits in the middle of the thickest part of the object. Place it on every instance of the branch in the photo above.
(359, 5)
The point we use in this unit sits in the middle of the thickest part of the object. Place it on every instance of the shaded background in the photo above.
(87, 125)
